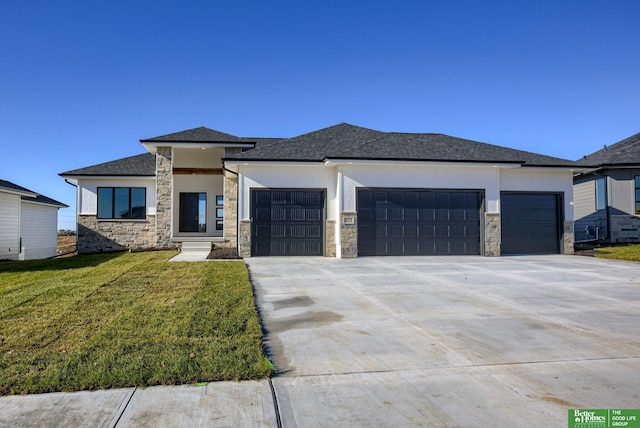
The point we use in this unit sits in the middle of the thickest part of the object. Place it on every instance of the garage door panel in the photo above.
(287, 222)
(530, 223)
(417, 222)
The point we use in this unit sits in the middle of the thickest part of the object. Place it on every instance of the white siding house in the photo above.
(28, 223)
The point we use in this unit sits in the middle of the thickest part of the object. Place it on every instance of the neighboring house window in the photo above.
(122, 203)
(637, 182)
(601, 194)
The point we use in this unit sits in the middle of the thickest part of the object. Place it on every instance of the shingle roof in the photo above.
(41, 199)
(195, 135)
(624, 152)
(139, 165)
(345, 141)
(13, 187)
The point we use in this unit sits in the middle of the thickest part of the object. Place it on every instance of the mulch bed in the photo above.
(223, 253)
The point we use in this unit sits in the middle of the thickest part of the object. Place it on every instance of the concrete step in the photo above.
(196, 246)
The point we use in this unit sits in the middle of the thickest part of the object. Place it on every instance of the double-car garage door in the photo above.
(418, 222)
(398, 222)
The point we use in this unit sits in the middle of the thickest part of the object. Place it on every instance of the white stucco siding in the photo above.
(420, 177)
(524, 180)
(39, 230)
(9, 226)
(198, 158)
(286, 177)
(88, 192)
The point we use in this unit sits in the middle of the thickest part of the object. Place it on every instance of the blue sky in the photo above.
(81, 82)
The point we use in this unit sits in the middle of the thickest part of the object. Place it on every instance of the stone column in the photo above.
(164, 198)
(349, 235)
(568, 238)
(244, 240)
(492, 234)
(330, 238)
(230, 228)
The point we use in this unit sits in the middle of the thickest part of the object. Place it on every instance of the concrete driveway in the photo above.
(449, 341)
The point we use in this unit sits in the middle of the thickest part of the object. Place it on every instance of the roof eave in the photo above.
(76, 176)
(56, 204)
(152, 146)
(18, 192)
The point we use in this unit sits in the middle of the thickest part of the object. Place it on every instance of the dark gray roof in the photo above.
(41, 199)
(139, 165)
(624, 152)
(37, 198)
(195, 135)
(345, 141)
(13, 187)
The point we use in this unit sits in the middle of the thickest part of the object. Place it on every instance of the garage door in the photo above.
(530, 223)
(418, 222)
(287, 222)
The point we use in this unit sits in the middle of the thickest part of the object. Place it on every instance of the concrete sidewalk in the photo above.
(245, 404)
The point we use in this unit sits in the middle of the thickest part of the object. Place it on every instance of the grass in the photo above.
(620, 252)
(127, 319)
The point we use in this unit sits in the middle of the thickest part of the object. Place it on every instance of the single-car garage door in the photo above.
(530, 223)
(418, 222)
(287, 222)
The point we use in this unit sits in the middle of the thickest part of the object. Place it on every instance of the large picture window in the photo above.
(122, 203)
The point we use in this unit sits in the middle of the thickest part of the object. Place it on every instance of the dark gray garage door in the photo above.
(530, 223)
(418, 222)
(287, 222)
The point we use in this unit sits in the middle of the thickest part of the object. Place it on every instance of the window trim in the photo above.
(113, 203)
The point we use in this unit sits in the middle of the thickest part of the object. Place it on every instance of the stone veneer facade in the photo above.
(244, 240)
(624, 228)
(349, 235)
(330, 238)
(568, 238)
(164, 198)
(100, 236)
(492, 234)
(230, 191)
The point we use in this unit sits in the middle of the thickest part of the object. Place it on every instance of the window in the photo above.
(637, 192)
(122, 203)
(193, 212)
(601, 194)
(219, 212)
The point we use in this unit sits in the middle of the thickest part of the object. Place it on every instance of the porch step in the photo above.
(196, 246)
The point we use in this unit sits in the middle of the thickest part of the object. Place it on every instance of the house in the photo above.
(607, 197)
(28, 223)
(341, 191)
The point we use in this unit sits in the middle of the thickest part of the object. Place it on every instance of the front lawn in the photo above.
(126, 319)
(620, 252)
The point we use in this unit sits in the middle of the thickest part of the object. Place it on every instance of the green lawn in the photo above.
(126, 319)
(620, 252)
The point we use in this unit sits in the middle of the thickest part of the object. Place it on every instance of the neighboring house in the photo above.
(341, 191)
(28, 223)
(607, 198)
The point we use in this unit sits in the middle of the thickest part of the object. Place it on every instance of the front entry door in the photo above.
(193, 212)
